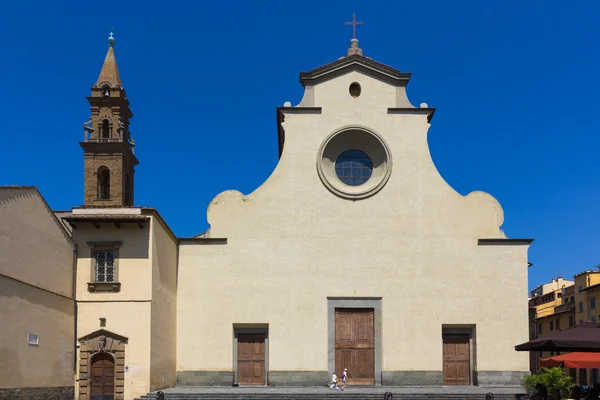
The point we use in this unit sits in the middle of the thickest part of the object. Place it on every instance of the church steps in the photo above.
(324, 396)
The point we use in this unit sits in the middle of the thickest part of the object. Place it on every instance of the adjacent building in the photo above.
(37, 332)
(562, 304)
(550, 308)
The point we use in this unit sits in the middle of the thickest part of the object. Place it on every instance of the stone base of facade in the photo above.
(46, 393)
(412, 378)
(500, 378)
(321, 378)
(205, 378)
(298, 378)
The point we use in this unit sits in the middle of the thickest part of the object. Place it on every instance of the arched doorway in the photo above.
(103, 377)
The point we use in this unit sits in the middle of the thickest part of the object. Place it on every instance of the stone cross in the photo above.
(354, 23)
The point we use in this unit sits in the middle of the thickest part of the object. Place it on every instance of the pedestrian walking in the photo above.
(334, 384)
(344, 379)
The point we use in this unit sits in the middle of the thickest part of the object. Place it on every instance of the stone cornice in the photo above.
(500, 242)
(419, 111)
(355, 63)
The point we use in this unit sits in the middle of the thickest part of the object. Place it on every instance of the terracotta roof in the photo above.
(596, 286)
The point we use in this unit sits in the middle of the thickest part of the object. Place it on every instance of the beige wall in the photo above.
(144, 310)
(128, 312)
(128, 319)
(135, 265)
(414, 244)
(36, 284)
(30, 236)
(164, 308)
(26, 309)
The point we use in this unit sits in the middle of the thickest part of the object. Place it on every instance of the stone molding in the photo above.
(500, 378)
(298, 378)
(359, 138)
(412, 378)
(98, 343)
(241, 329)
(355, 302)
(321, 378)
(205, 378)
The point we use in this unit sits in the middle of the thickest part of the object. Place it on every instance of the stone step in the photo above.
(324, 396)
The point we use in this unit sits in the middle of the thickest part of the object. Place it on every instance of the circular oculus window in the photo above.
(354, 89)
(354, 162)
(353, 167)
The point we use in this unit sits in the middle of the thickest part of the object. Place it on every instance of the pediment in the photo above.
(355, 62)
(102, 333)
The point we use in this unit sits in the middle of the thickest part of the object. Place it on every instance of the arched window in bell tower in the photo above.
(103, 183)
(105, 131)
(106, 90)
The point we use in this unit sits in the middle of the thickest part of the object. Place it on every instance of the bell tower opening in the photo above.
(109, 159)
(105, 129)
(103, 183)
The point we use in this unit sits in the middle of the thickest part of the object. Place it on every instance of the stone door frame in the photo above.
(469, 330)
(101, 341)
(354, 302)
(237, 329)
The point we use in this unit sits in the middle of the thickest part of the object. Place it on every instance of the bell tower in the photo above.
(109, 159)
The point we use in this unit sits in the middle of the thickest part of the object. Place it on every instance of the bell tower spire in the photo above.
(109, 159)
(110, 72)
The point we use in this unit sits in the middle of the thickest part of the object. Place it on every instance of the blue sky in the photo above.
(515, 85)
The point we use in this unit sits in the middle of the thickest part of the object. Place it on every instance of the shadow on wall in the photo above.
(11, 288)
(12, 364)
(137, 245)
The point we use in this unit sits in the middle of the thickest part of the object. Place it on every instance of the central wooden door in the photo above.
(355, 345)
(251, 359)
(103, 377)
(457, 368)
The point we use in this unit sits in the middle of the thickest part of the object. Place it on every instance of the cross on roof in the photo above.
(354, 23)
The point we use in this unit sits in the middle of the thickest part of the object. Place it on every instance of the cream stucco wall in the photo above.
(134, 261)
(144, 310)
(30, 235)
(36, 284)
(128, 319)
(164, 307)
(414, 244)
(127, 312)
(26, 309)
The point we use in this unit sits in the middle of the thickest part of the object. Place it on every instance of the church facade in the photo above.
(354, 253)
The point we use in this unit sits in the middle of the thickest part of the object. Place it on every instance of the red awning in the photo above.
(573, 360)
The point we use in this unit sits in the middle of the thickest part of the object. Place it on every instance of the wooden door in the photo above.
(103, 377)
(355, 345)
(251, 359)
(457, 368)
